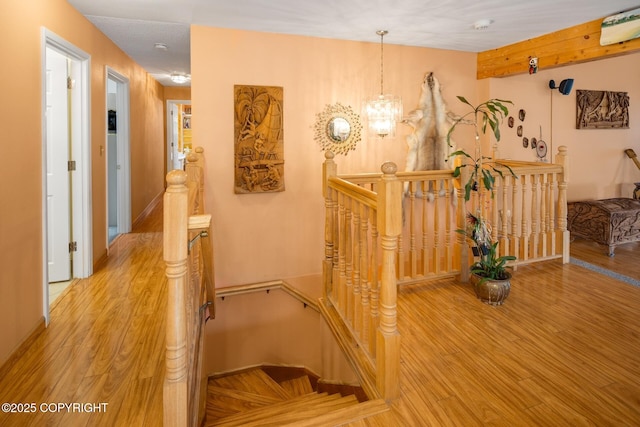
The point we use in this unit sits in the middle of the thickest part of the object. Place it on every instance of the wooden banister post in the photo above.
(175, 255)
(388, 338)
(329, 169)
(563, 179)
(195, 173)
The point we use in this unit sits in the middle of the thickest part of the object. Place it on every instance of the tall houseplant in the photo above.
(489, 272)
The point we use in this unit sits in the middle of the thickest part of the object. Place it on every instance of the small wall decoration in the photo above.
(259, 139)
(597, 109)
(337, 129)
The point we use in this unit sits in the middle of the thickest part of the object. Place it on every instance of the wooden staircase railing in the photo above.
(394, 228)
(191, 292)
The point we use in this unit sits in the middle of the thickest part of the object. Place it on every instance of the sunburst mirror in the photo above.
(338, 129)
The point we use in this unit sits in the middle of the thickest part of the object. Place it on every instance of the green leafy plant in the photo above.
(489, 266)
(485, 116)
(489, 114)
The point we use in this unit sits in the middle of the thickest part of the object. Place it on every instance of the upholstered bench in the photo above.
(610, 222)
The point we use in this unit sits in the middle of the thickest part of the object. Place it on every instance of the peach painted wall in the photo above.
(598, 166)
(21, 274)
(260, 237)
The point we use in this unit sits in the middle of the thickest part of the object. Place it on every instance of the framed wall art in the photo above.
(599, 109)
(258, 139)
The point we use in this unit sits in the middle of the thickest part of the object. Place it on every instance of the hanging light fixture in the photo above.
(180, 78)
(384, 111)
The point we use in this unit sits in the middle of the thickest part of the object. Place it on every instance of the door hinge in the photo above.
(73, 247)
(69, 83)
(71, 165)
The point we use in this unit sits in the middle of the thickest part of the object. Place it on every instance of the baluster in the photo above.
(544, 215)
(506, 211)
(412, 231)
(563, 178)
(342, 299)
(535, 215)
(335, 269)
(515, 238)
(525, 220)
(437, 255)
(461, 221)
(348, 246)
(357, 241)
(375, 284)
(448, 249)
(365, 310)
(425, 228)
(494, 210)
(553, 224)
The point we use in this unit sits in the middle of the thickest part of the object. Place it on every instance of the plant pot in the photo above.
(492, 292)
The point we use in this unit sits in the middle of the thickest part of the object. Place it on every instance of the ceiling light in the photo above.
(482, 24)
(180, 78)
(383, 111)
(160, 46)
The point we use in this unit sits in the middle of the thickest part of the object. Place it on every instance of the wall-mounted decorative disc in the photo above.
(337, 129)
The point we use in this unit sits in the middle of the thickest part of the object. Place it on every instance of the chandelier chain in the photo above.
(382, 33)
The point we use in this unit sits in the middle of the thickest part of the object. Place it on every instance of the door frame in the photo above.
(123, 153)
(81, 195)
(170, 102)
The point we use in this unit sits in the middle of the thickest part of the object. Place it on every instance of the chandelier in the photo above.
(384, 111)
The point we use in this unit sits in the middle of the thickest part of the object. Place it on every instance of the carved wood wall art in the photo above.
(258, 139)
(598, 109)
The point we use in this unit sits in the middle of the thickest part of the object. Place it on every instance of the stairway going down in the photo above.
(255, 398)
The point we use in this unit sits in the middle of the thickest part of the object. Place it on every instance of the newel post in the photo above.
(388, 338)
(329, 169)
(563, 179)
(175, 256)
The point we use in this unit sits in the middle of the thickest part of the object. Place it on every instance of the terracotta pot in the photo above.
(492, 292)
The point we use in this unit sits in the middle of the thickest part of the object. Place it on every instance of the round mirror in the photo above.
(338, 129)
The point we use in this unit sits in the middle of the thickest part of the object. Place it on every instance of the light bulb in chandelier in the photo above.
(383, 111)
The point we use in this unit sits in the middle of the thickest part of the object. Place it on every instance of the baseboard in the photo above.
(22, 348)
(145, 213)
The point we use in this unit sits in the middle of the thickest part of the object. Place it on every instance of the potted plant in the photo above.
(489, 274)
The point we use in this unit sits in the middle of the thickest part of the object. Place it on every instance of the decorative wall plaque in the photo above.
(259, 139)
(598, 109)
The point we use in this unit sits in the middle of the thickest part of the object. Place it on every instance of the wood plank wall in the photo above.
(573, 45)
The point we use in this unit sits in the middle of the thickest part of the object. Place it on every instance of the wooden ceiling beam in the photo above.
(573, 45)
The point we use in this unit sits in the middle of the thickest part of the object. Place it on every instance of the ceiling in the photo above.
(137, 25)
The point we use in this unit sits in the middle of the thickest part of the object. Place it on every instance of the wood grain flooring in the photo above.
(105, 343)
(564, 349)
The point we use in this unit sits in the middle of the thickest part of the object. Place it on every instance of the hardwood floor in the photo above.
(564, 349)
(105, 343)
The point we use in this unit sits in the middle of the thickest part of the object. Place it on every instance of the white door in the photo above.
(58, 179)
(175, 154)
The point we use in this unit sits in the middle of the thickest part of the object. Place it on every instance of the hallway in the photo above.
(105, 343)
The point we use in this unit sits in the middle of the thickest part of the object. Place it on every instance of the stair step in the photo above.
(223, 402)
(294, 410)
(349, 414)
(253, 381)
(298, 386)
